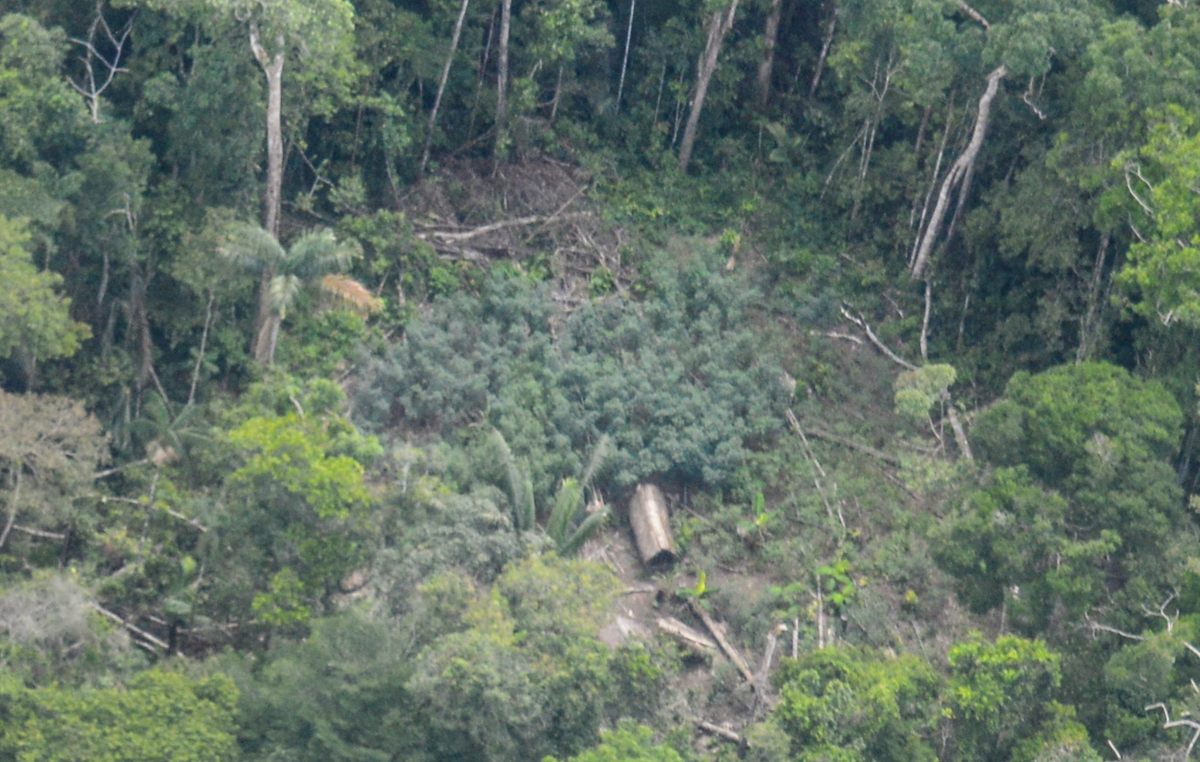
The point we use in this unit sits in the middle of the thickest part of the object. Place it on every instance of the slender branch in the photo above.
(925, 321)
(39, 532)
(808, 453)
(1095, 627)
(975, 15)
(12, 504)
(119, 469)
(861, 322)
(132, 628)
(624, 59)
(1181, 723)
(1195, 651)
(877, 454)
(437, 101)
(729, 650)
(1129, 184)
(163, 508)
(816, 80)
(203, 344)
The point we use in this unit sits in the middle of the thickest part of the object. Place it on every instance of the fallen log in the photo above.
(717, 730)
(729, 650)
(686, 635)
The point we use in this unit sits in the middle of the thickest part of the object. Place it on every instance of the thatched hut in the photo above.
(651, 528)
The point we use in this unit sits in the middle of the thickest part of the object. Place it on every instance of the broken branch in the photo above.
(690, 638)
(132, 628)
(717, 730)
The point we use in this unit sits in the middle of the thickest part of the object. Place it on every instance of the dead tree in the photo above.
(1182, 722)
(99, 69)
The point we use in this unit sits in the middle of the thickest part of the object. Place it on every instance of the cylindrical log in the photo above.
(651, 529)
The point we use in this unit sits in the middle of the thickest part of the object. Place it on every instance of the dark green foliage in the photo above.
(1084, 503)
(528, 677)
(682, 382)
(849, 704)
(339, 695)
(554, 288)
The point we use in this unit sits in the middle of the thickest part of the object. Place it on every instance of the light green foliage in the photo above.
(1164, 269)
(34, 318)
(850, 704)
(1000, 694)
(919, 390)
(161, 715)
(628, 743)
(528, 676)
(294, 454)
(294, 506)
(38, 110)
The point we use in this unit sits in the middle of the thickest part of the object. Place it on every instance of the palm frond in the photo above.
(586, 529)
(251, 247)
(281, 292)
(317, 252)
(526, 511)
(520, 486)
(351, 294)
(567, 503)
(600, 454)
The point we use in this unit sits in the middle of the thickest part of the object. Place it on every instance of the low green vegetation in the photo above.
(337, 335)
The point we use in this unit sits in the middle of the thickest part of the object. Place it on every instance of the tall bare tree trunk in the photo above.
(816, 80)
(272, 198)
(624, 59)
(718, 26)
(268, 337)
(1087, 336)
(437, 101)
(273, 68)
(961, 168)
(502, 73)
(770, 36)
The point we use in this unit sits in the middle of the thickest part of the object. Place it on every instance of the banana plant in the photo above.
(573, 519)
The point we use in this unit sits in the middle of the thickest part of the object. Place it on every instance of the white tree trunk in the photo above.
(770, 35)
(960, 169)
(502, 74)
(437, 101)
(718, 26)
(272, 198)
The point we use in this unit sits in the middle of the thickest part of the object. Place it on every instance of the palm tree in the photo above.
(316, 255)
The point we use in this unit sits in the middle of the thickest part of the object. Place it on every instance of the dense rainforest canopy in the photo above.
(336, 336)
